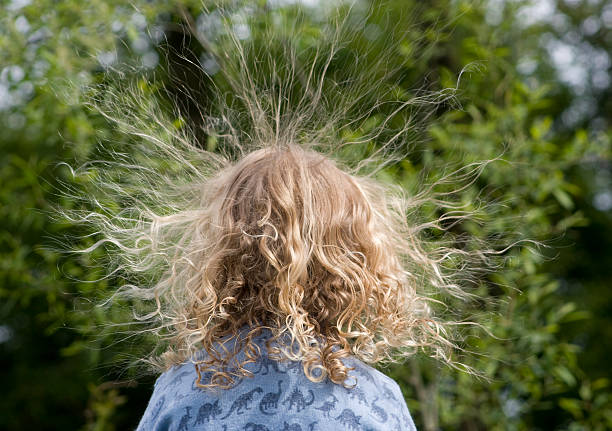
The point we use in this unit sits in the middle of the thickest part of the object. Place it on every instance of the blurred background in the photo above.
(540, 94)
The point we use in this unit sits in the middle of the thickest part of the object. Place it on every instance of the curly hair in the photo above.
(274, 232)
(286, 240)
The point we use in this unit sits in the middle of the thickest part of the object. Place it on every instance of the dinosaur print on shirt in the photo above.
(279, 397)
(297, 398)
(270, 401)
(207, 412)
(243, 402)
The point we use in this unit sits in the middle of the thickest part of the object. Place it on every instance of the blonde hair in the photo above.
(288, 241)
(273, 231)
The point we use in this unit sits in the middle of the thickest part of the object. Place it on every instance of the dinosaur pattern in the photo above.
(178, 379)
(243, 402)
(278, 397)
(328, 406)
(297, 398)
(349, 419)
(397, 424)
(265, 364)
(298, 427)
(357, 394)
(184, 420)
(270, 401)
(255, 427)
(388, 393)
(379, 413)
(207, 412)
(366, 375)
(157, 407)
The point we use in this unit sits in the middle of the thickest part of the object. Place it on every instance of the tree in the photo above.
(543, 369)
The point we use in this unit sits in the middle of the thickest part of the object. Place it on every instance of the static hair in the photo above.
(288, 241)
(278, 222)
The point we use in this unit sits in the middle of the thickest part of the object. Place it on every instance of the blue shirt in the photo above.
(278, 398)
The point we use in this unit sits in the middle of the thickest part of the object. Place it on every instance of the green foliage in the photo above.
(542, 370)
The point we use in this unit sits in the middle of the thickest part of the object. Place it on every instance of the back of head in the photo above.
(290, 242)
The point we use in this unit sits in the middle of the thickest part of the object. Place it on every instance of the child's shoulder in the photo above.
(367, 375)
(279, 392)
(176, 375)
(172, 399)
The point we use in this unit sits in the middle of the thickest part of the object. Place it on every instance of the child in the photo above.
(295, 279)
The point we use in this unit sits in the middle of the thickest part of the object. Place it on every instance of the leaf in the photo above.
(565, 375)
(571, 405)
(563, 198)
